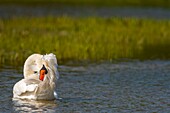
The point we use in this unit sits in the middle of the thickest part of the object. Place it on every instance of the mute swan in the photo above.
(42, 84)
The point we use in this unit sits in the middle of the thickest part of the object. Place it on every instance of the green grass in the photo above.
(134, 3)
(89, 38)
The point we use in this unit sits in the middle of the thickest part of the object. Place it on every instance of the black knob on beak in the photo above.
(43, 68)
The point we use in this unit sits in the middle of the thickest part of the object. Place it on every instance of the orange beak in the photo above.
(43, 71)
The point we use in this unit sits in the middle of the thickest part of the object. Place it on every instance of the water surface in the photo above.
(133, 86)
(8, 11)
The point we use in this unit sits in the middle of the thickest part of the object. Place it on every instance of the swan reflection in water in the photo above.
(34, 106)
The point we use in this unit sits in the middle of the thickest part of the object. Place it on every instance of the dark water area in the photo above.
(126, 87)
(8, 11)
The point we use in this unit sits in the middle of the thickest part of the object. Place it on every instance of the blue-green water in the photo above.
(126, 87)
(10, 11)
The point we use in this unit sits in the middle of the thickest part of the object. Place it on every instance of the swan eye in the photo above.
(35, 72)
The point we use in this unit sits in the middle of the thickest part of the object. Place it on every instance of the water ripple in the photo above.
(99, 87)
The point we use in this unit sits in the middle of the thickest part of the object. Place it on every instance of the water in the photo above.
(8, 11)
(133, 86)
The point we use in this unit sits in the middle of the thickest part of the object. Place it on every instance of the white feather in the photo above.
(31, 87)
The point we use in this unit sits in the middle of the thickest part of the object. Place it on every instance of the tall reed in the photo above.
(91, 38)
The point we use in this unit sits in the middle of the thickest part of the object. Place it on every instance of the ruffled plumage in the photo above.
(31, 87)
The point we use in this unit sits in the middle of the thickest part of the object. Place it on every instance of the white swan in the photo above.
(40, 76)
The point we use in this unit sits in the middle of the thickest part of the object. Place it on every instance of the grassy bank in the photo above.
(134, 3)
(84, 38)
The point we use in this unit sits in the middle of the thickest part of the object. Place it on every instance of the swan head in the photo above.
(37, 66)
(49, 66)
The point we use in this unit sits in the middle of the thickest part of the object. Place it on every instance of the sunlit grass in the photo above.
(89, 38)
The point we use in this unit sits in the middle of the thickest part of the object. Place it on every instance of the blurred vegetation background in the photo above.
(85, 38)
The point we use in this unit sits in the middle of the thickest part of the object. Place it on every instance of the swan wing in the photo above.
(25, 88)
